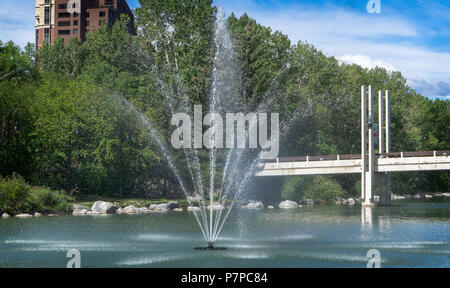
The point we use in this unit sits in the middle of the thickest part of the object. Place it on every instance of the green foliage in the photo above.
(319, 188)
(16, 196)
(66, 121)
(16, 64)
(46, 200)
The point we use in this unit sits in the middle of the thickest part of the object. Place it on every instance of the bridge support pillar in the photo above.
(385, 192)
(367, 163)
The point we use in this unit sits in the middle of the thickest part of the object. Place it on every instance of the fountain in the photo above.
(240, 164)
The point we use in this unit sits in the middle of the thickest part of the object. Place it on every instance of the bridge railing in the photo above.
(357, 156)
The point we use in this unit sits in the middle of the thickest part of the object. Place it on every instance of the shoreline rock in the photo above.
(255, 205)
(193, 208)
(5, 215)
(288, 205)
(80, 211)
(102, 207)
(132, 210)
(24, 215)
(349, 202)
(216, 206)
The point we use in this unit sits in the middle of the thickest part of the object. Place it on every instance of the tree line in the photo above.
(70, 116)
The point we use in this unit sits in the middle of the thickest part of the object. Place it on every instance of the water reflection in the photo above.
(367, 218)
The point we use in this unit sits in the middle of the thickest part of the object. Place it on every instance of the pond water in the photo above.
(408, 234)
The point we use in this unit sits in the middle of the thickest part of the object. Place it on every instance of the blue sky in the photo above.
(411, 36)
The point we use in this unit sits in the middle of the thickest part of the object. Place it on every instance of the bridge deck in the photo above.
(343, 164)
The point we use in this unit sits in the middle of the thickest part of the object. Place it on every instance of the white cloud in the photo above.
(366, 62)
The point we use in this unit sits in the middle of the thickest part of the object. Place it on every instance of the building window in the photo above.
(109, 3)
(63, 23)
(86, 23)
(62, 6)
(47, 35)
(102, 14)
(75, 14)
(63, 32)
(75, 22)
(64, 15)
(75, 31)
(87, 14)
(37, 38)
(47, 15)
(47, 2)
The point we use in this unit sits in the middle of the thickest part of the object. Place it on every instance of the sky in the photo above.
(410, 36)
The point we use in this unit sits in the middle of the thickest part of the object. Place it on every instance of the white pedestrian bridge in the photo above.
(348, 164)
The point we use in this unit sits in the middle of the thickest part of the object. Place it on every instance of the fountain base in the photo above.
(210, 247)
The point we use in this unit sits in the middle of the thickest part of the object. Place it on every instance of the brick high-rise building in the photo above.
(68, 19)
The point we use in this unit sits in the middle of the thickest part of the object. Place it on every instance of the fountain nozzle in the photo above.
(210, 247)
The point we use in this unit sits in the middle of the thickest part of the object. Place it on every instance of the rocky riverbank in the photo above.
(105, 208)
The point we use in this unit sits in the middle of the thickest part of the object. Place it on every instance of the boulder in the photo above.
(255, 205)
(428, 196)
(307, 202)
(159, 207)
(163, 207)
(419, 196)
(339, 201)
(270, 207)
(288, 205)
(52, 215)
(24, 215)
(216, 206)
(37, 214)
(376, 198)
(193, 208)
(349, 202)
(5, 215)
(397, 197)
(134, 210)
(102, 207)
(172, 205)
(80, 211)
(178, 209)
(89, 213)
(407, 196)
